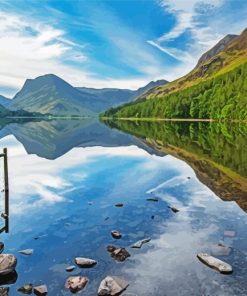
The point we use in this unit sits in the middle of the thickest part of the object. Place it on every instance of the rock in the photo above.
(1, 247)
(229, 233)
(119, 205)
(9, 278)
(85, 262)
(174, 209)
(76, 283)
(7, 263)
(139, 243)
(70, 268)
(116, 234)
(220, 250)
(152, 217)
(107, 218)
(119, 254)
(40, 290)
(155, 199)
(111, 286)
(26, 252)
(26, 289)
(4, 291)
(188, 178)
(215, 263)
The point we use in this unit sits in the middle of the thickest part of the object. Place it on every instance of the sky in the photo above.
(110, 43)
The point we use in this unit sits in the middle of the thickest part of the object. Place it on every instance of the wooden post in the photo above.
(6, 189)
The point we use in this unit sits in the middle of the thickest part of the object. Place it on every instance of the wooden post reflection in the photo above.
(5, 215)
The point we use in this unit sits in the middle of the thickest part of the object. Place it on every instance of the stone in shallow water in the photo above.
(85, 262)
(70, 268)
(119, 205)
(139, 243)
(119, 254)
(9, 278)
(220, 250)
(7, 263)
(26, 289)
(27, 252)
(229, 233)
(40, 290)
(175, 210)
(155, 199)
(116, 234)
(215, 263)
(76, 283)
(111, 286)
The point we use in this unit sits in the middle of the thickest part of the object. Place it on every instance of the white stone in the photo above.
(215, 263)
(112, 286)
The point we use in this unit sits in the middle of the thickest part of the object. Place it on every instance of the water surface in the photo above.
(66, 177)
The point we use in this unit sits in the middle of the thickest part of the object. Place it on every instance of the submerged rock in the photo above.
(76, 283)
(139, 243)
(26, 252)
(7, 263)
(85, 262)
(215, 263)
(26, 289)
(4, 291)
(111, 286)
(119, 205)
(220, 250)
(155, 199)
(40, 290)
(119, 254)
(1, 247)
(174, 209)
(70, 268)
(116, 234)
(229, 233)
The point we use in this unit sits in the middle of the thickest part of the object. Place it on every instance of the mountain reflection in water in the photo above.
(66, 177)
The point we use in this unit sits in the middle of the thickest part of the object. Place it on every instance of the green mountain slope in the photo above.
(50, 94)
(216, 88)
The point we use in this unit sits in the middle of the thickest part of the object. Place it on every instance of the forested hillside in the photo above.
(222, 97)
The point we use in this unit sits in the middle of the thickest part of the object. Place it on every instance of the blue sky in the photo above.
(109, 43)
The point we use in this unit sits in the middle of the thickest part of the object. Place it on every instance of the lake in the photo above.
(66, 177)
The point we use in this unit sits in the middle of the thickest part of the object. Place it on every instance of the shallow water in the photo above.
(64, 207)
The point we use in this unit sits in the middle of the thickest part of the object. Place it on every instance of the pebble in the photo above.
(70, 268)
(7, 263)
(112, 286)
(215, 263)
(26, 289)
(119, 205)
(26, 252)
(85, 262)
(116, 234)
(119, 254)
(155, 199)
(140, 243)
(76, 283)
(40, 290)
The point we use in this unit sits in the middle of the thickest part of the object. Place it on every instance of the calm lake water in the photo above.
(66, 177)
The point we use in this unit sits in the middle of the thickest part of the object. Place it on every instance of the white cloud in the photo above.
(189, 18)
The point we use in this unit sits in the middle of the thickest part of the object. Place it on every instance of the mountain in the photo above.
(4, 101)
(106, 98)
(49, 94)
(216, 88)
(221, 45)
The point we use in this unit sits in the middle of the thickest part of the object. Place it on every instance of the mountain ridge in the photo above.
(50, 94)
(216, 83)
